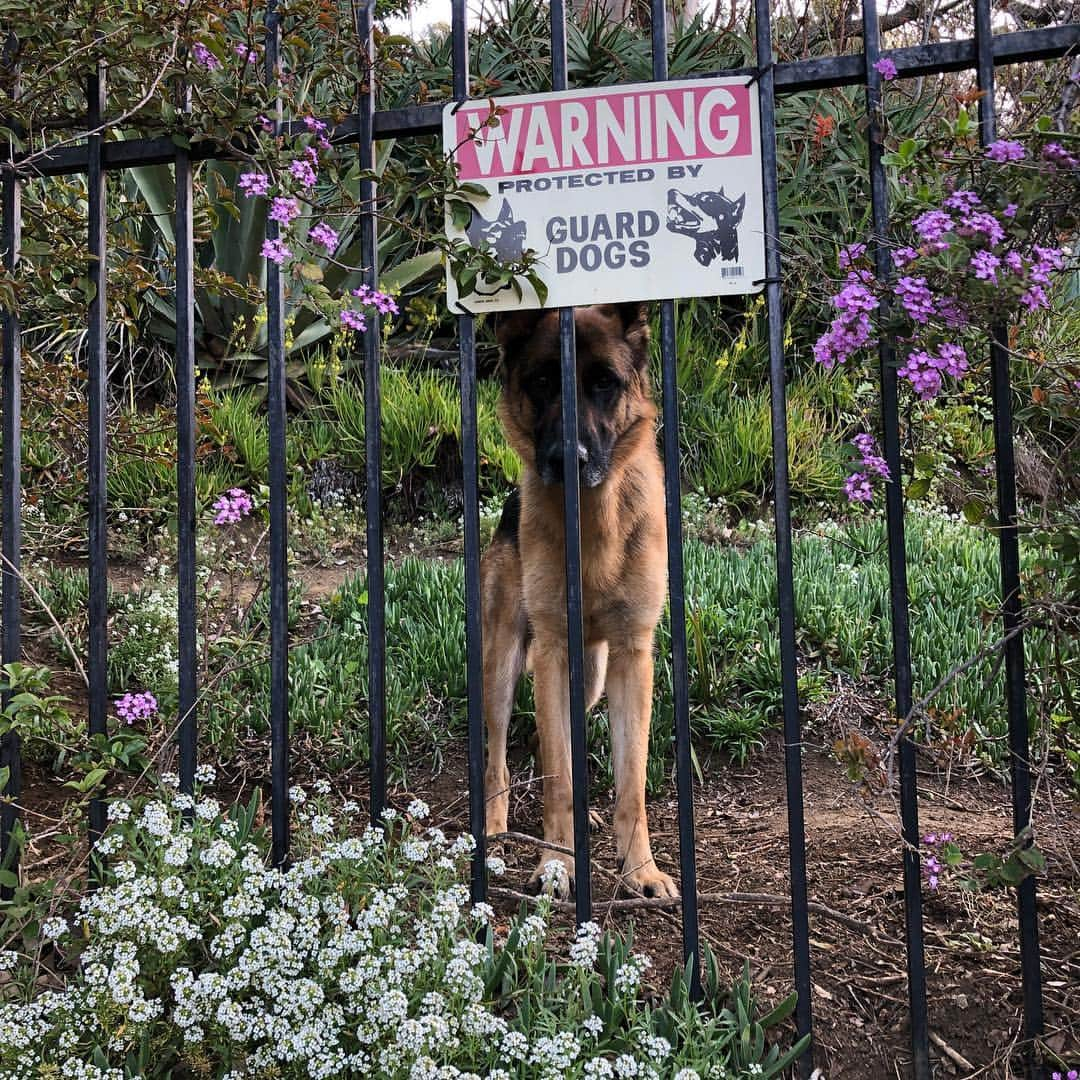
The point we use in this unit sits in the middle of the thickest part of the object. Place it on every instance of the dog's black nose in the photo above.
(551, 467)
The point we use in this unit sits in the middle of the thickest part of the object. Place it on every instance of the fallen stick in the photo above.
(954, 1056)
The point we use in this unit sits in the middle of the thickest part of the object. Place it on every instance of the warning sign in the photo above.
(630, 193)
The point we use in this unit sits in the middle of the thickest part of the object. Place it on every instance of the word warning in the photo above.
(642, 192)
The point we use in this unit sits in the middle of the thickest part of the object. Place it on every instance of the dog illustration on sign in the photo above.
(502, 236)
(711, 219)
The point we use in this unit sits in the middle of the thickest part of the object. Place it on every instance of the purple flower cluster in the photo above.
(1006, 150)
(858, 487)
(254, 183)
(1072, 1074)
(324, 235)
(303, 171)
(205, 57)
(275, 251)
(924, 369)
(382, 303)
(284, 210)
(850, 254)
(985, 265)
(886, 68)
(353, 320)
(1056, 154)
(246, 53)
(931, 226)
(916, 297)
(132, 707)
(931, 866)
(850, 330)
(232, 506)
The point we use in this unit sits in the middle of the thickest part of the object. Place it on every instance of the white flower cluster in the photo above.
(360, 959)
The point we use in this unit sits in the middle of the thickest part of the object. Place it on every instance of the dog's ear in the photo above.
(739, 205)
(634, 317)
(513, 327)
(506, 214)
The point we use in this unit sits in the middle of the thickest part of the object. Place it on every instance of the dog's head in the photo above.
(614, 402)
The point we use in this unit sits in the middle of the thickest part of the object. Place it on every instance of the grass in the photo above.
(843, 626)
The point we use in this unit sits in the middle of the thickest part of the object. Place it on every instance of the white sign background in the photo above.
(642, 192)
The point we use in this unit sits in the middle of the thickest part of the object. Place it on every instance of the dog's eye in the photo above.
(603, 381)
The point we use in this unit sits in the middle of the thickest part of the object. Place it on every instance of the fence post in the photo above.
(785, 581)
(279, 567)
(11, 516)
(898, 585)
(97, 407)
(1011, 606)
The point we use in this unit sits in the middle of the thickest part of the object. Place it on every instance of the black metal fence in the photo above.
(96, 157)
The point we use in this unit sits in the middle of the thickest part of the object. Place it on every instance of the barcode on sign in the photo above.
(731, 271)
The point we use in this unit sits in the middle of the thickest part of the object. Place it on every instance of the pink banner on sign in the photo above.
(610, 130)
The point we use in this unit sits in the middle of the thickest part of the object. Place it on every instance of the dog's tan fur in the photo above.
(623, 559)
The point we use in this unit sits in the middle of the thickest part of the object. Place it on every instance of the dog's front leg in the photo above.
(552, 693)
(629, 690)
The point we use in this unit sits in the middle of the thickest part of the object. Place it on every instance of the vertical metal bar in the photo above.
(684, 775)
(575, 639)
(185, 469)
(470, 484)
(376, 605)
(1009, 549)
(278, 553)
(10, 511)
(785, 583)
(898, 585)
(97, 373)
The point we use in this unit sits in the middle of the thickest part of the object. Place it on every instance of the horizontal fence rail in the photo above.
(358, 133)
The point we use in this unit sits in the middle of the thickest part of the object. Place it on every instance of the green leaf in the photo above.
(9, 879)
(918, 487)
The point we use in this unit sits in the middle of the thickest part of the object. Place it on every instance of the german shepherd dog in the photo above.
(623, 570)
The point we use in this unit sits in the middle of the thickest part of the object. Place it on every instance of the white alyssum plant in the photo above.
(363, 958)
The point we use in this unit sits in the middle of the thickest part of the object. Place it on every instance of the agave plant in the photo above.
(231, 334)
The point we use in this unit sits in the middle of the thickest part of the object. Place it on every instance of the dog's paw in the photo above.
(647, 880)
(554, 875)
(596, 821)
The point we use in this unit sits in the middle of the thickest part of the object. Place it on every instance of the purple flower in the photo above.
(246, 53)
(284, 210)
(953, 360)
(932, 225)
(872, 461)
(353, 320)
(275, 251)
(857, 488)
(1010, 210)
(1056, 154)
(254, 183)
(985, 223)
(232, 506)
(903, 255)
(1006, 150)
(303, 172)
(378, 300)
(1035, 298)
(266, 123)
(916, 298)
(323, 234)
(1047, 259)
(952, 312)
(962, 200)
(132, 707)
(312, 124)
(1014, 262)
(205, 57)
(886, 69)
(850, 253)
(985, 266)
(922, 373)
